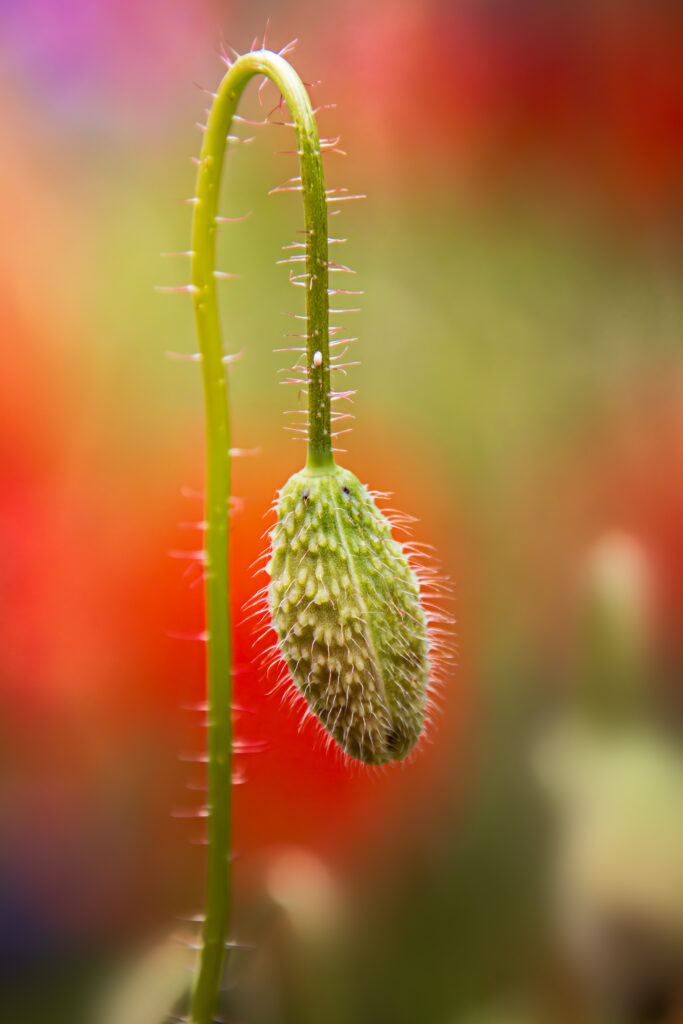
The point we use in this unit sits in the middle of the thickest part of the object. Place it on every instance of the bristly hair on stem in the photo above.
(349, 605)
(319, 460)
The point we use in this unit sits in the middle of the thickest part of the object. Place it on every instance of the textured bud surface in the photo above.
(345, 604)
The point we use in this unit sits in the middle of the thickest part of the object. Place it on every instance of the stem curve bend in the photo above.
(319, 459)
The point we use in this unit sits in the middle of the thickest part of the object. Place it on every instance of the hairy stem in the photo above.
(320, 459)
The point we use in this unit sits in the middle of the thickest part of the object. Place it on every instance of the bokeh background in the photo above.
(520, 392)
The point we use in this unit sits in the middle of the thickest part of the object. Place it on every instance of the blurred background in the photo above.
(520, 393)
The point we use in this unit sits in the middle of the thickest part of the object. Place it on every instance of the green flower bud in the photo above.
(345, 604)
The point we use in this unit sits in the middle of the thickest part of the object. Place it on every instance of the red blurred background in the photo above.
(521, 388)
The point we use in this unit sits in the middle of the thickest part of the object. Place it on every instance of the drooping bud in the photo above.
(345, 604)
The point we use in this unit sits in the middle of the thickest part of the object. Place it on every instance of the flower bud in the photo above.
(345, 604)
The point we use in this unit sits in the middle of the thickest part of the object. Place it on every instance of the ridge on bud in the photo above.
(345, 604)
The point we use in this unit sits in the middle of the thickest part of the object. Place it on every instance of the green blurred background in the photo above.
(519, 391)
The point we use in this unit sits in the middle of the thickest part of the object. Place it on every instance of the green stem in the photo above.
(319, 460)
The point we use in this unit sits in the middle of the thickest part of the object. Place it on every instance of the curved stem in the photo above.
(320, 459)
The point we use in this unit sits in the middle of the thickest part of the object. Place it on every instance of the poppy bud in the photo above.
(345, 604)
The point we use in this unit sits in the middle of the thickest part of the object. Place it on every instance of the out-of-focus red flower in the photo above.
(587, 97)
(94, 682)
